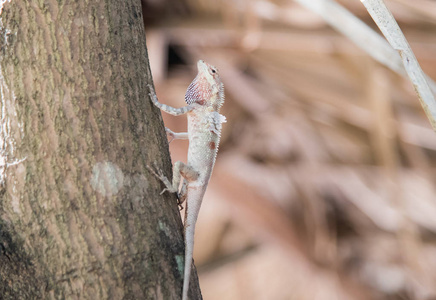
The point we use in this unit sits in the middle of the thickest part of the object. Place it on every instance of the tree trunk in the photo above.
(80, 215)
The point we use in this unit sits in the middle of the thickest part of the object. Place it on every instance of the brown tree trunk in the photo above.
(80, 215)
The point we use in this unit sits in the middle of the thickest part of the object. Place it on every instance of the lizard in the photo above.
(204, 98)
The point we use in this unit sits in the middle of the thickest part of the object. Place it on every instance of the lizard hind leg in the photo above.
(179, 169)
(159, 174)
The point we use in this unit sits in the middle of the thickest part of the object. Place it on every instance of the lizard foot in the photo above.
(171, 134)
(159, 174)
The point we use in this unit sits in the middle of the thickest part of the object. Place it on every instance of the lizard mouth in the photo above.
(202, 66)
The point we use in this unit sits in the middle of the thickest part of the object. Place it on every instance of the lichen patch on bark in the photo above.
(107, 178)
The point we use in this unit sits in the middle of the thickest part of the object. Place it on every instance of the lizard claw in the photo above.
(179, 202)
(154, 172)
(159, 174)
(170, 133)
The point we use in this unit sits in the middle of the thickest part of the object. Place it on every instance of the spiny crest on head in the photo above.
(205, 85)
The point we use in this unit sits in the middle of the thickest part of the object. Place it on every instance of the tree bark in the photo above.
(80, 215)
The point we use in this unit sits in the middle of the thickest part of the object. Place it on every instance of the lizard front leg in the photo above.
(176, 135)
(166, 108)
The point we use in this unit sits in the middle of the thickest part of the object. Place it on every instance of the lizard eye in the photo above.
(213, 71)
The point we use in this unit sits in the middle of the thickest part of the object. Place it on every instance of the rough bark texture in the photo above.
(80, 215)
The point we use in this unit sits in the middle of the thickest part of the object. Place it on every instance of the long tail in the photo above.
(189, 247)
(193, 203)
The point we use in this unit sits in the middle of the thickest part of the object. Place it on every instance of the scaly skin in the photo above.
(205, 96)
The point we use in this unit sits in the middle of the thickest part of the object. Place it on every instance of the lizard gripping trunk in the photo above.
(205, 96)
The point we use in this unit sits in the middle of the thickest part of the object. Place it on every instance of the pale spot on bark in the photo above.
(107, 178)
(164, 227)
(15, 203)
(7, 108)
(18, 185)
(180, 260)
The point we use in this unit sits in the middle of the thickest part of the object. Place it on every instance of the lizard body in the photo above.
(204, 98)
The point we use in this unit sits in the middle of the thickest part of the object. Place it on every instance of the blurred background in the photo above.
(324, 186)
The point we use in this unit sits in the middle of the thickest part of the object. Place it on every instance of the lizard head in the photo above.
(207, 88)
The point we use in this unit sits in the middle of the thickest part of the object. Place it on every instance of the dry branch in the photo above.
(390, 29)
